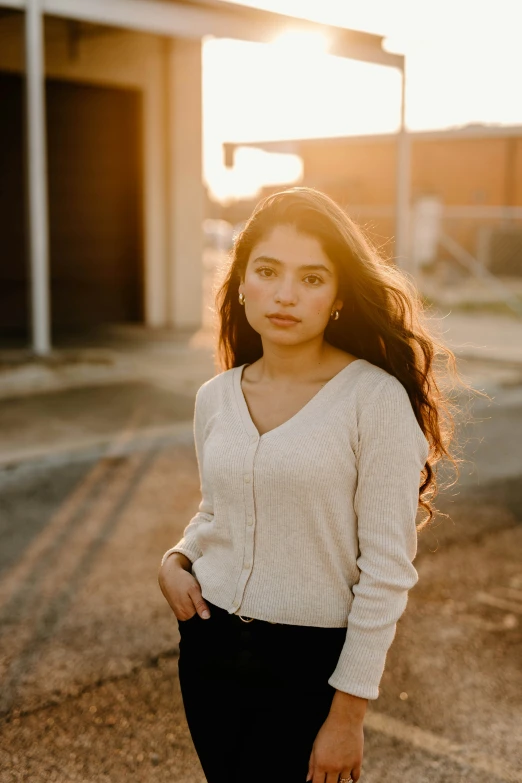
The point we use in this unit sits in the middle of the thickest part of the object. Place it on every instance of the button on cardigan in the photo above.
(313, 522)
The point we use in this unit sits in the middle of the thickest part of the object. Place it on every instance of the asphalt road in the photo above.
(88, 647)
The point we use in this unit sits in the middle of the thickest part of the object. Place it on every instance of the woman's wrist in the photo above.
(179, 558)
(348, 707)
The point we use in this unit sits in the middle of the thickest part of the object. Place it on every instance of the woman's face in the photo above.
(289, 274)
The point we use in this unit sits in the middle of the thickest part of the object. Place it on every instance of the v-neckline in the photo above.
(245, 411)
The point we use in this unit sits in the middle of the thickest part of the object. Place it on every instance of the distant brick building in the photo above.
(472, 167)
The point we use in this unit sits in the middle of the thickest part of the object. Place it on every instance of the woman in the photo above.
(315, 445)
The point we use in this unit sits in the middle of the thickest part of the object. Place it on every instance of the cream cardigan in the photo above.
(313, 522)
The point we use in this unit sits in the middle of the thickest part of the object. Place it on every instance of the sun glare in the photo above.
(293, 88)
(290, 88)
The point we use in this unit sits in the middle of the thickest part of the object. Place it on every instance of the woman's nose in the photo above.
(286, 292)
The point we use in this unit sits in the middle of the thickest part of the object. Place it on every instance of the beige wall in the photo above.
(168, 73)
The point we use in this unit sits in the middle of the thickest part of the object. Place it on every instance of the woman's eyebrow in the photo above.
(271, 260)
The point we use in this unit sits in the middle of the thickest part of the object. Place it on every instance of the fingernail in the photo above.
(205, 614)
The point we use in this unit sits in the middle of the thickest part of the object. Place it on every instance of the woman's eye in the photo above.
(264, 269)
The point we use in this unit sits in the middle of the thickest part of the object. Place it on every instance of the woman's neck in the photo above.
(280, 363)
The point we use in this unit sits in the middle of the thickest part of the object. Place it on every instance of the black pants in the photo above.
(255, 694)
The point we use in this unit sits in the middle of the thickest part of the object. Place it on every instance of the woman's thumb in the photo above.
(202, 607)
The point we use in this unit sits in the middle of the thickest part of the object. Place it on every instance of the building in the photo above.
(473, 172)
(101, 194)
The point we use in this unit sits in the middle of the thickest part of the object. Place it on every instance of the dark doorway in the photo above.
(95, 203)
(14, 309)
(95, 206)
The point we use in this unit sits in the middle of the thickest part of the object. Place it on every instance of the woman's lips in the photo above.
(282, 321)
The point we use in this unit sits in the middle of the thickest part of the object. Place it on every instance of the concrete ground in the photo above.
(99, 478)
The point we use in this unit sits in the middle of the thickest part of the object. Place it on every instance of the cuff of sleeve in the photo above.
(191, 552)
(360, 666)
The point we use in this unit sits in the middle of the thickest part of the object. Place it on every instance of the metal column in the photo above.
(37, 178)
(403, 185)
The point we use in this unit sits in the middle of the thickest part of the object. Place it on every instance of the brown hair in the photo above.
(382, 320)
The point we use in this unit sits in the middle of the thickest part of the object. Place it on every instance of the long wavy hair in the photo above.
(383, 319)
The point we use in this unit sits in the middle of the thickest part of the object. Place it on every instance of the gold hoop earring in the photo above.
(335, 315)
(241, 298)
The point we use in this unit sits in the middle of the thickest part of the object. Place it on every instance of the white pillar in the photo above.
(155, 194)
(186, 202)
(37, 178)
(403, 185)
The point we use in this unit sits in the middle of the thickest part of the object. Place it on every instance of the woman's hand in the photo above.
(181, 589)
(338, 748)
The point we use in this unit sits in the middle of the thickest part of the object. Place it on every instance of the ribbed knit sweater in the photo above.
(313, 522)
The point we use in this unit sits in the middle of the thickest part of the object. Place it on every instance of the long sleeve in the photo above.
(392, 451)
(188, 544)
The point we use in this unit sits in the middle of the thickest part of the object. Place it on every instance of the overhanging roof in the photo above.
(474, 131)
(198, 18)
